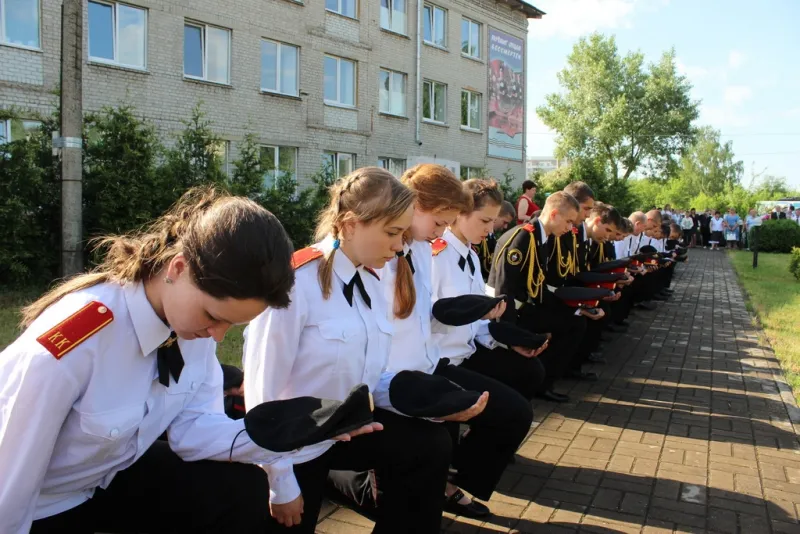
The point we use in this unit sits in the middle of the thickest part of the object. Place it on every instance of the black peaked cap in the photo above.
(610, 265)
(419, 394)
(290, 424)
(464, 309)
(514, 336)
(582, 294)
(591, 277)
(648, 249)
(232, 377)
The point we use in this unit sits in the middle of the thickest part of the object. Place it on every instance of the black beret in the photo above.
(582, 297)
(464, 309)
(514, 336)
(290, 424)
(419, 394)
(232, 377)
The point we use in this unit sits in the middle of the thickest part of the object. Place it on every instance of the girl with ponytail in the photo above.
(336, 334)
(111, 359)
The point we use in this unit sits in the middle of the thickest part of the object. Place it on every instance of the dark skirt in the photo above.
(718, 237)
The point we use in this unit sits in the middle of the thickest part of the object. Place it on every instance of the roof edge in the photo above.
(530, 11)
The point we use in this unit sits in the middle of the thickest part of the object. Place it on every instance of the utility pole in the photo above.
(71, 140)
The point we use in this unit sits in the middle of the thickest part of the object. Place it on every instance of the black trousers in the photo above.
(481, 456)
(591, 338)
(161, 493)
(525, 375)
(568, 330)
(410, 459)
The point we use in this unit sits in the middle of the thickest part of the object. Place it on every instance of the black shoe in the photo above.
(474, 509)
(647, 305)
(624, 323)
(668, 291)
(659, 297)
(582, 376)
(597, 357)
(552, 396)
(619, 329)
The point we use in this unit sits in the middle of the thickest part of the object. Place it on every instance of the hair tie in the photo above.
(336, 244)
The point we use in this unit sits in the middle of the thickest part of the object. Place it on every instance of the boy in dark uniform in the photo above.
(519, 268)
(486, 249)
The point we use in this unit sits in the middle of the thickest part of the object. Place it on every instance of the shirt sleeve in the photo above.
(272, 341)
(37, 394)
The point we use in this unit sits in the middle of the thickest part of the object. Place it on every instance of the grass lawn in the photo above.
(229, 351)
(774, 295)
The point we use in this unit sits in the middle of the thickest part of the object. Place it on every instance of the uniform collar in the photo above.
(342, 265)
(462, 249)
(150, 329)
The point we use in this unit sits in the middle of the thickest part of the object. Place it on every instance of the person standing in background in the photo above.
(526, 207)
(752, 221)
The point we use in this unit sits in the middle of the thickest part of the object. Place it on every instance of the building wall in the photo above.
(28, 78)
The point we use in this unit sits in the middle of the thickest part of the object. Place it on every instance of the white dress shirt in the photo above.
(635, 243)
(457, 343)
(413, 347)
(621, 248)
(318, 347)
(716, 224)
(68, 425)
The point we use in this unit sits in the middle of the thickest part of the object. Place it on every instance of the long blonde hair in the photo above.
(366, 195)
(234, 249)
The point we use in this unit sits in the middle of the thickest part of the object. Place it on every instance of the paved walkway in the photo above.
(691, 428)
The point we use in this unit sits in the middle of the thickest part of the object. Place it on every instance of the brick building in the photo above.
(323, 80)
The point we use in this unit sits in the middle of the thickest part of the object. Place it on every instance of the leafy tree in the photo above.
(709, 166)
(614, 110)
(247, 179)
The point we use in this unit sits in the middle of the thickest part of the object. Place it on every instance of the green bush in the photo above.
(778, 236)
(794, 263)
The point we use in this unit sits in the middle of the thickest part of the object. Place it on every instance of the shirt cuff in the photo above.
(283, 486)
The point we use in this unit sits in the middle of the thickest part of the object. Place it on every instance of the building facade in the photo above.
(543, 164)
(347, 82)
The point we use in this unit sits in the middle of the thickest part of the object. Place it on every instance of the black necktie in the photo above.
(348, 291)
(407, 256)
(463, 261)
(170, 361)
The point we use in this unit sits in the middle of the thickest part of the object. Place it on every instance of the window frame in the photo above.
(391, 19)
(387, 162)
(3, 37)
(339, 12)
(433, 8)
(276, 159)
(470, 22)
(278, 78)
(338, 102)
(392, 73)
(466, 171)
(204, 45)
(8, 125)
(336, 161)
(432, 103)
(115, 43)
(470, 95)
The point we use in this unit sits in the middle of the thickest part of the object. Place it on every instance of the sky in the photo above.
(742, 58)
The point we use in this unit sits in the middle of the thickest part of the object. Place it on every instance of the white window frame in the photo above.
(433, 8)
(278, 78)
(338, 11)
(3, 37)
(391, 19)
(115, 44)
(472, 23)
(338, 102)
(431, 96)
(336, 160)
(470, 96)
(393, 73)
(6, 138)
(466, 172)
(204, 44)
(276, 158)
(396, 166)
(7, 124)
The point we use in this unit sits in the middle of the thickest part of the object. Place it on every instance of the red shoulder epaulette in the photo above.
(438, 245)
(76, 329)
(304, 256)
(528, 228)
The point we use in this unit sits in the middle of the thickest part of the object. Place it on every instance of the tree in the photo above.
(709, 166)
(248, 177)
(615, 111)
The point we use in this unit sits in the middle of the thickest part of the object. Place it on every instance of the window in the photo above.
(278, 161)
(471, 110)
(117, 34)
(15, 129)
(340, 81)
(342, 7)
(393, 165)
(435, 25)
(393, 93)
(393, 15)
(341, 164)
(19, 22)
(468, 173)
(222, 151)
(279, 73)
(434, 96)
(206, 52)
(470, 38)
